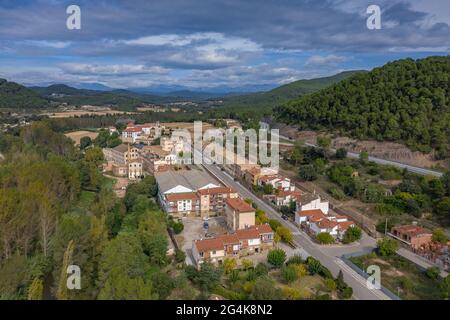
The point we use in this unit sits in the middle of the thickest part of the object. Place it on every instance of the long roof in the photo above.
(239, 205)
(191, 179)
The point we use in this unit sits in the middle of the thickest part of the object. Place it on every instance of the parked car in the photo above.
(284, 217)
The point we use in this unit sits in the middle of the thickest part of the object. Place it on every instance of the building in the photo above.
(145, 133)
(239, 214)
(311, 202)
(276, 181)
(414, 236)
(316, 221)
(130, 134)
(121, 154)
(244, 242)
(284, 198)
(185, 184)
(212, 200)
(135, 169)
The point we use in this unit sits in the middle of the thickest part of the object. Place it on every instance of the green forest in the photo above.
(13, 95)
(407, 101)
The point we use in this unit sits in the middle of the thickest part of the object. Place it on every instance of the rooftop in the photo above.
(181, 196)
(411, 230)
(191, 179)
(217, 190)
(239, 205)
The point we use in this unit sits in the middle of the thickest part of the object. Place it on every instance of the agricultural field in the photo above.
(77, 135)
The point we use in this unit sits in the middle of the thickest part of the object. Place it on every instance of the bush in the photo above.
(330, 284)
(341, 153)
(180, 256)
(285, 234)
(261, 269)
(337, 193)
(325, 238)
(387, 246)
(276, 257)
(352, 234)
(177, 227)
(433, 273)
(289, 273)
(295, 259)
(347, 293)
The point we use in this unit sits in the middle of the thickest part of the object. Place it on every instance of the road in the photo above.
(382, 161)
(329, 257)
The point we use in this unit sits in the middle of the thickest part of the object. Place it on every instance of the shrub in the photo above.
(289, 273)
(341, 153)
(325, 238)
(295, 259)
(387, 247)
(180, 256)
(276, 257)
(178, 227)
(347, 293)
(433, 273)
(300, 269)
(352, 234)
(261, 269)
(330, 284)
(285, 234)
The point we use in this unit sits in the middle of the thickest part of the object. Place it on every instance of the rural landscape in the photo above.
(102, 196)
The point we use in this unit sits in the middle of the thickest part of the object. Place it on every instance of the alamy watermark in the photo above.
(74, 277)
(73, 22)
(373, 282)
(227, 146)
(374, 20)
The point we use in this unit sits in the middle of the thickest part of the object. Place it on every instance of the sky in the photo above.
(211, 45)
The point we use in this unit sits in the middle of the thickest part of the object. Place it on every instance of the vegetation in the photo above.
(405, 101)
(276, 257)
(325, 238)
(15, 96)
(387, 247)
(352, 234)
(406, 279)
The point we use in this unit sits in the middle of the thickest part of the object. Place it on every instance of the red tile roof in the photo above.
(216, 190)
(327, 224)
(132, 129)
(181, 196)
(343, 226)
(411, 230)
(221, 241)
(239, 205)
(312, 214)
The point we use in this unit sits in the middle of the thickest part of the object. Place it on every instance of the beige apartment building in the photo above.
(239, 214)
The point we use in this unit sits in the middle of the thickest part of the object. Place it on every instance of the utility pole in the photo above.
(385, 227)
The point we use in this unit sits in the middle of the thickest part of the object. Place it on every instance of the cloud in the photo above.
(111, 69)
(324, 61)
(49, 44)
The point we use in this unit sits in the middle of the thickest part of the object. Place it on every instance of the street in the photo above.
(328, 256)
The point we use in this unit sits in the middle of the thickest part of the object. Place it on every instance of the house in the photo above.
(284, 198)
(182, 203)
(121, 154)
(239, 214)
(130, 134)
(414, 236)
(277, 182)
(311, 202)
(212, 200)
(135, 169)
(242, 243)
(316, 221)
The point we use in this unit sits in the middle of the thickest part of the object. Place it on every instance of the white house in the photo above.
(313, 202)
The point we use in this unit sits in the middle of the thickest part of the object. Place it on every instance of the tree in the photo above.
(85, 142)
(314, 265)
(341, 153)
(276, 257)
(352, 234)
(308, 172)
(289, 273)
(207, 278)
(162, 284)
(439, 236)
(433, 273)
(285, 234)
(247, 264)
(330, 284)
(443, 208)
(296, 156)
(36, 290)
(62, 293)
(268, 188)
(363, 157)
(180, 256)
(323, 141)
(121, 286)
(94, 155)
(265, 289)
(229, 264)
(325, 238)
(387, 246)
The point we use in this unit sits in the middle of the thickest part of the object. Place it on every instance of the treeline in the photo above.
(405, 101)
(56, 210)
(13, 95)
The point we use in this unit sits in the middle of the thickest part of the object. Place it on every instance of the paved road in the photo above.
(329, 257)
(383, 161)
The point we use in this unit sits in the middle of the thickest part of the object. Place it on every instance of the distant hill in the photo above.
(269, 99)
(13, 95)
(406, 101)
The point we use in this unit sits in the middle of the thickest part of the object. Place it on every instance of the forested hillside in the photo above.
(406, 101)
(13, 95)
(265, 101)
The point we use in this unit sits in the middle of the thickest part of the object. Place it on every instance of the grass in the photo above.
(401, 277)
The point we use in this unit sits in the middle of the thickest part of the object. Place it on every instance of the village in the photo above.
(219, 222)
